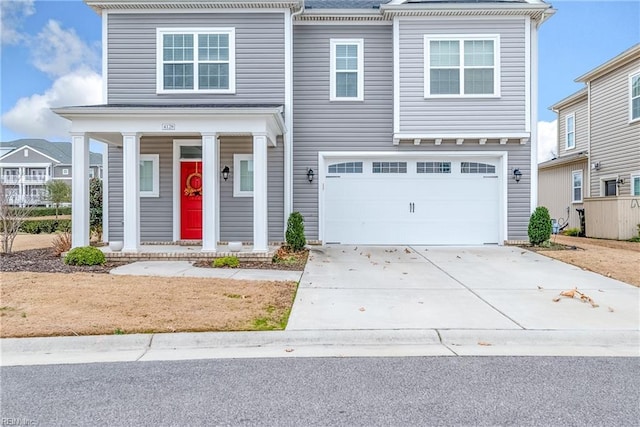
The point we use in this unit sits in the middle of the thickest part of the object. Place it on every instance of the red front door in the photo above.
(191, 201)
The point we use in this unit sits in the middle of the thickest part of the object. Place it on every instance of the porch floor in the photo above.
(168, 252)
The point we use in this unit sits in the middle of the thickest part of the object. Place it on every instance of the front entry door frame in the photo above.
(177, 188)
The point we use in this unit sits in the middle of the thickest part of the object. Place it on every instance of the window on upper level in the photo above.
(196, 60)
(347, 70)
(634, 107)
(466, 66)
(576, 196)
(570, 131)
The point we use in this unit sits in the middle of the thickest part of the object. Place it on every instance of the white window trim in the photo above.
(462, 38)
(195, 32)
(603, 180)
(566, 131)
(573, 188)
(155, 164)
(360, 46)
(631, 77)
(237, 158)
(632, 185)
(65, 171)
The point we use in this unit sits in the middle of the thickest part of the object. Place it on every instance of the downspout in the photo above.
(288, 113)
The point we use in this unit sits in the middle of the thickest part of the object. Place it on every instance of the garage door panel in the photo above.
(412, 208)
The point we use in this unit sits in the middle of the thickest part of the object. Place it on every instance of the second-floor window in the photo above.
(635, 97)
(347, 70)
(461, 66)
(196, 60)
(570, 131)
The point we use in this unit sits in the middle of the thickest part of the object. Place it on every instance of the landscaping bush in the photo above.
(61, 243)
(37, 226)
(86, 255)
(571, 232)
(539, 226)
(227, 261)
(295, 232)
(36, 212)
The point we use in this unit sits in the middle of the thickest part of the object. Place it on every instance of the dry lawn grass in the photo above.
(32, 241)
(612, 258)
(48, 304)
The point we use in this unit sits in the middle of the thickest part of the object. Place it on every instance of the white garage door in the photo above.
(425, 201)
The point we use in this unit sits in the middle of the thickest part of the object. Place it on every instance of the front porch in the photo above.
(176, 200)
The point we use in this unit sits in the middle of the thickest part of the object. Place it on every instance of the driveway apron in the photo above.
(426, 287)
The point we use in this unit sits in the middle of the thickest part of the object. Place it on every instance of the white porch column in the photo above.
(80, 190)
(131, 185)
(260, 223)
(210, 193)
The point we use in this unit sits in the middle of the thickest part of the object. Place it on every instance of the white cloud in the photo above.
(57, 51)
(547, 140)
(12, 13)
(31, 116)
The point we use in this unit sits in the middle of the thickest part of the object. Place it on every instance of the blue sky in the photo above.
(51, 52)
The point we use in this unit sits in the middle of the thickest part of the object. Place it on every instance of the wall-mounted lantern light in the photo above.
(517, 174)
(310, 175)
(225, 173)
(619, 181)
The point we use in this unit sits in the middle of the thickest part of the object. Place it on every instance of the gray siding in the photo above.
(615, 142)
(115, 194)
(504, 114)
(581, 112)
(555, 187)
(57, 172)
(321, 125)
(259, 57)
(18, 157)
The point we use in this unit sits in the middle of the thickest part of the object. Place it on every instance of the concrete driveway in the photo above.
(484, 288)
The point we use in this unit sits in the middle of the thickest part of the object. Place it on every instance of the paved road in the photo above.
(351, 391)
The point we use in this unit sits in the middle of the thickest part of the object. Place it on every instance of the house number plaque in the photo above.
(168, 126)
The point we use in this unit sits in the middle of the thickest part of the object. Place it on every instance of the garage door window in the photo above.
(389, 167)
(472, 167)
(349, 167)
(433, 167)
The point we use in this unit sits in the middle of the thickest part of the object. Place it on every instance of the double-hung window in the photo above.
(576, 186)
(462, 66)
(634, 107)
(635, 184)
(347, 70)
(196, 60)
(570, 131)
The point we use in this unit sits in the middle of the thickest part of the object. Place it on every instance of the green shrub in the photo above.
(86, 255)
(43, 211)
(37, 226)
(227, 261)
(571, 232)
(295, 232)
(539, 226)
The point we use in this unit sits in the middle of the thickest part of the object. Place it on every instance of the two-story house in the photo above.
(597, 169)
(400, 122)
(26, 165)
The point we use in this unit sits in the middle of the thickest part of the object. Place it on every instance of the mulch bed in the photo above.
(290, 261)
(43, 261)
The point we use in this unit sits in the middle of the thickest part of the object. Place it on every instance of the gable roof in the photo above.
(59, 151)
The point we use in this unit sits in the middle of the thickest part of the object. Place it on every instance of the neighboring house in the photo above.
(399, 123)
(26, 165)
(598, 163)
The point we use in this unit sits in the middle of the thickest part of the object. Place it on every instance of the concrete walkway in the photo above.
(186, 269)
(392, 301)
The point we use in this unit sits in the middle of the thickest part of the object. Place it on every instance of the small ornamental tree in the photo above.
(58, 192)
(539, 226)
(295, 232)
